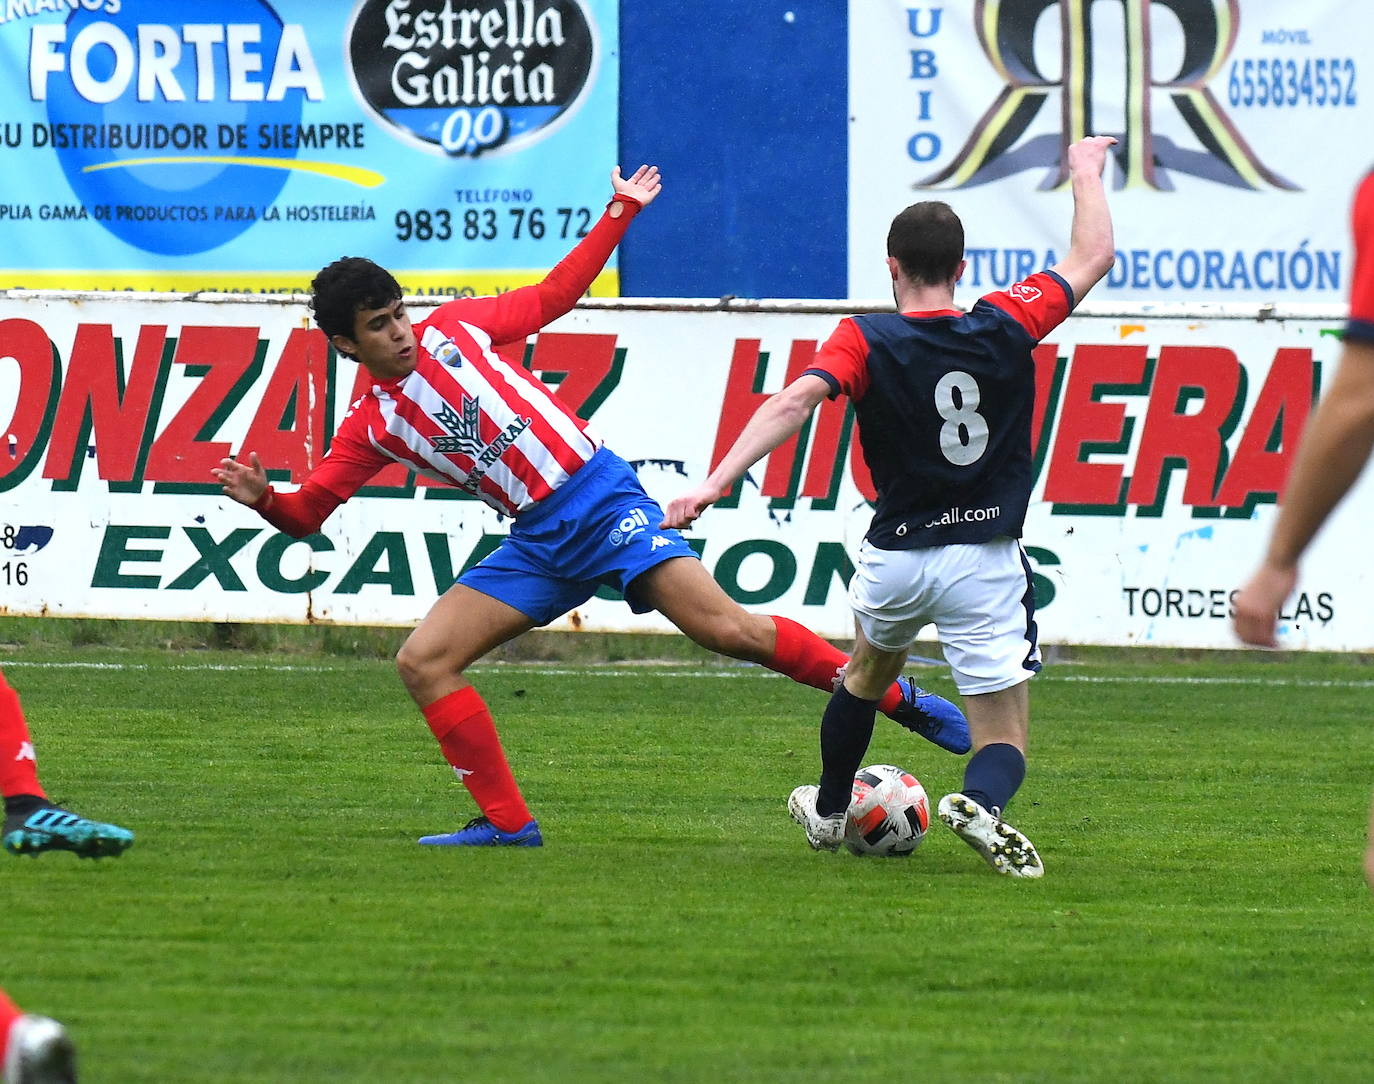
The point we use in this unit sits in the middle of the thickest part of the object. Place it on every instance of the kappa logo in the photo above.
(1025, 292)
(636, 523)
(26, 752)
(659, 542)
(461, 773)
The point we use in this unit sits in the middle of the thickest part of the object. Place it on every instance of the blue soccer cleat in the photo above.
(480, 832)
(933, 717)
(52, 828)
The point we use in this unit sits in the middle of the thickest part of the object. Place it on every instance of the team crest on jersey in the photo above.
(1024, 291)
(446, 352)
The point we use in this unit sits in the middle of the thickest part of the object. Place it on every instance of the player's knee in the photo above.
(739, 635)
(415, 666)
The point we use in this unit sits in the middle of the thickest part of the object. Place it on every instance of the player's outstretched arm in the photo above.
(778, 418)
(244, 482)
(562, 287)
(298, 514)
(1092, 246)
(1335, 446)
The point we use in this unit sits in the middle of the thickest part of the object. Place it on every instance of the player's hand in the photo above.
(1256, 607)
(245, 483)
(685, 510)
(1089, 155)
(643, 185)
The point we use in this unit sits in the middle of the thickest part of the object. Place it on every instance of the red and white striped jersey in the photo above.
(464, 415)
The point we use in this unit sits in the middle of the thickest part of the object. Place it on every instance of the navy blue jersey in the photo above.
(944, 402)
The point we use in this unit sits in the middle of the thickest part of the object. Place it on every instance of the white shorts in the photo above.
(979, 597)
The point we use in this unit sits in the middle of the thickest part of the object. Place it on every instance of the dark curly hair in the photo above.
(927, 241)
(345, 288)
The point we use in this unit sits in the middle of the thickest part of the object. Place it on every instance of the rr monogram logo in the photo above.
(1006, 31)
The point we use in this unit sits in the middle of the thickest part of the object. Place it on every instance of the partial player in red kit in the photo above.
(33, 1049)
(1335, 447)
(33, 824)
(446, 403)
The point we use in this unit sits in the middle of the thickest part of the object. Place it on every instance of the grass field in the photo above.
(1202, 916)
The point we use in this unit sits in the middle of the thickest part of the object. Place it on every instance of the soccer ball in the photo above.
(889, 813)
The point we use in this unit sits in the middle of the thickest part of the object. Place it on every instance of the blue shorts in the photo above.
(599, 529)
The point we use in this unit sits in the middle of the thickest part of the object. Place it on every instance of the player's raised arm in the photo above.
(1092, 247)
(517, 314)
(778, 418)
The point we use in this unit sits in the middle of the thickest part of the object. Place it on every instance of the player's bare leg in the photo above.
(686, 594)
(462, 627)
(1000, 724)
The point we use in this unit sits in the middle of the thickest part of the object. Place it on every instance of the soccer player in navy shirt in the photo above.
(446, 401)
(1335, 447)
(943, 400)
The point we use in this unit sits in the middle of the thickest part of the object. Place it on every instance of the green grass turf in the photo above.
(1202, 916)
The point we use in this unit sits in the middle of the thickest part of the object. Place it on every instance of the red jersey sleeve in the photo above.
(1361, 325)
(300, 513)
(1039, 304)
(350, 463)
(842, 361)
(516, 315)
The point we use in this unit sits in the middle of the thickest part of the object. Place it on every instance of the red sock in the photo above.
(9, 1013)
(467, 736)
(804, 657)
(18, 766)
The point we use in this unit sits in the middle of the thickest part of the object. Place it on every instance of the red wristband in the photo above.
(628, 201)
(263, 503)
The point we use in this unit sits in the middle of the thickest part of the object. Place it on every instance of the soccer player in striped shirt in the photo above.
(447, 404)
(1335, 447)
(943, 401)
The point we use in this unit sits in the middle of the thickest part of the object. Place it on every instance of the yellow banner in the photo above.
(437, 283)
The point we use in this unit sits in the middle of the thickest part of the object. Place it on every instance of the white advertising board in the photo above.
(1162, 437)
(1240, 128)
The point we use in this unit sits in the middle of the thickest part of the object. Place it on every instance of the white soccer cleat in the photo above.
(39, 1052)
(823, 833)
(1005, 849)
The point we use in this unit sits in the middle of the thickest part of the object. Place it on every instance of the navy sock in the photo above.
(846, 729)
(994, 774)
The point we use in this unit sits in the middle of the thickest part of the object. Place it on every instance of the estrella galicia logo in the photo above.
(497, 74)
(156, 109)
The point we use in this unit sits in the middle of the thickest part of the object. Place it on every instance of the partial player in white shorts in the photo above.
(978, 596)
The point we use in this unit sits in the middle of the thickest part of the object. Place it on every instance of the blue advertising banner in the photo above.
(239, 145)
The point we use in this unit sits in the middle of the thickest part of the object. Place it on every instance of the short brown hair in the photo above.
(927, 241)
